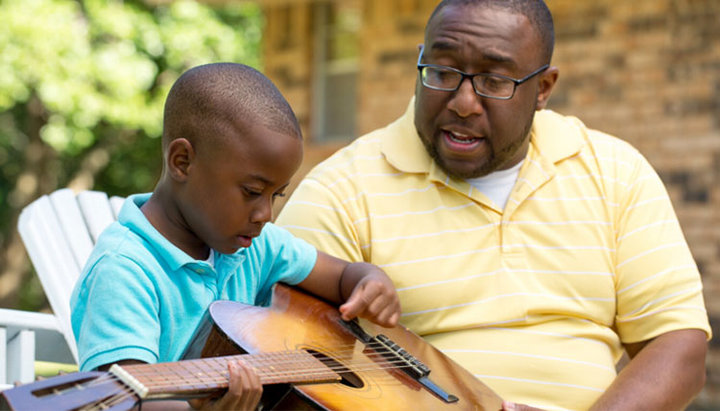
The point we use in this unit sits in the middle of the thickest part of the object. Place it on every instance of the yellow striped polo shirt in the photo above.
(536, 299)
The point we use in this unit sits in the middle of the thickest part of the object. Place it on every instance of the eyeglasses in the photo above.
(488, 85)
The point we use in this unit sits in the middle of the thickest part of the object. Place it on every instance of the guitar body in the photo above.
(296, 320)
(305, 355)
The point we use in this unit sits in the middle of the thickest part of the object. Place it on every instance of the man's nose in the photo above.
(465, 102)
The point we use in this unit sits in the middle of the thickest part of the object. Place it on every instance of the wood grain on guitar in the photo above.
(308, 357)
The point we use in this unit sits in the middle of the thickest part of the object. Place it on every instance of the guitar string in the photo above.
(110, 401)
(127, 393)
(262, 370)
(268, 358)
(222, 377)
(121, 394)
(285, 358)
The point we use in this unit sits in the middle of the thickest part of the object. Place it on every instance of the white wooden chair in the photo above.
(59, 231)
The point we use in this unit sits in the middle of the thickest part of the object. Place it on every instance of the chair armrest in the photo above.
(19, 331)
(28, 320)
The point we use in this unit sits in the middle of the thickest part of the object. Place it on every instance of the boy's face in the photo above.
(230, 189)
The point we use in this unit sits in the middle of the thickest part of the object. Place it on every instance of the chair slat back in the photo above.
(59, 231)
(97, 211)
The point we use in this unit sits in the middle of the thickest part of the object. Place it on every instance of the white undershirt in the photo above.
(211, 258)
(497, 185)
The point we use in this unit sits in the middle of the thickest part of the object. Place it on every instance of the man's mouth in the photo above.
(461, 138)
(458, 141)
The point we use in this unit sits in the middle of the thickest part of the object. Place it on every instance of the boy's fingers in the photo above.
(390, 316)
(372, 304)
(244, 390)
(358, 302)
(351, 308)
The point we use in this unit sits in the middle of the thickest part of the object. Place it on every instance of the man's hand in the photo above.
(511, 406)
(373, 297)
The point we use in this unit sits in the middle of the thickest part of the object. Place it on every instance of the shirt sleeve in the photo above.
(658, 284)
(115, 314)
(316, 214)
(288, 259)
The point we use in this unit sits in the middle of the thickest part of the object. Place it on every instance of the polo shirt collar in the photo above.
(554, 137)
(133, 218)
(402, 147)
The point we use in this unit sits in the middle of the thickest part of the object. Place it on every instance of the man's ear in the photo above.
(546, 83)
(180, 155)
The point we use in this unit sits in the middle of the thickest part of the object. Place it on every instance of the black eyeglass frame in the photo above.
(516, 82)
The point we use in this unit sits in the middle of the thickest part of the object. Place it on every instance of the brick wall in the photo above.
(647, 71)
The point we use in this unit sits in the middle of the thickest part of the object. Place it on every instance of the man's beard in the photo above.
(493, 163)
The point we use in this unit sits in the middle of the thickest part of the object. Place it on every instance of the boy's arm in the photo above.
(363, 289)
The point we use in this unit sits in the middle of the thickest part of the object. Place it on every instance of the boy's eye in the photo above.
(252, 192)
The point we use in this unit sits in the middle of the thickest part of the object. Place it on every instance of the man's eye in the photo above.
(276, 195)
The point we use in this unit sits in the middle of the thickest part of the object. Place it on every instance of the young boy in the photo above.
(230, 146)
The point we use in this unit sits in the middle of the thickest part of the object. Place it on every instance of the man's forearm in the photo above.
(664, 375)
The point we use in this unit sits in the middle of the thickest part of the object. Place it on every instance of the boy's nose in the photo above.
(262, 213)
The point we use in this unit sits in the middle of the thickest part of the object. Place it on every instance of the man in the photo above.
(531, 249)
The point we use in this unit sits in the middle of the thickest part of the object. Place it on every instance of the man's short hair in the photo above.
(536, 12)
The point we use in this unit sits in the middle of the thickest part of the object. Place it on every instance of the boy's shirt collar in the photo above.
(133, 218)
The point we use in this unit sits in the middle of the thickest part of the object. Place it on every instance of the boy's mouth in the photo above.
(244, 241)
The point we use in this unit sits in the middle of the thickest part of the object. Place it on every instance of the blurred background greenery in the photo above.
(82, 86)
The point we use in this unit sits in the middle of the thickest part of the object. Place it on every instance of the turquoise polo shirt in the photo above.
(140, 297)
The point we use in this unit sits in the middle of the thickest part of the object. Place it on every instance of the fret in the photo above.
(207, 374)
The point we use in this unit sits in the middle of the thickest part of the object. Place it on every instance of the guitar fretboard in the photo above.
(208, 374)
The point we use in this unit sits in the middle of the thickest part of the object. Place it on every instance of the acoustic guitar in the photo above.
(307, 357)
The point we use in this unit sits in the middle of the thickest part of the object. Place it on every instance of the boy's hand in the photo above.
(243, 393)
(373, 297)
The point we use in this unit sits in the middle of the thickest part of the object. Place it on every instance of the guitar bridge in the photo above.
(412, 366)
(396, 354)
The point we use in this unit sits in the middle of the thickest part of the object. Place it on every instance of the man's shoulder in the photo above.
(558, 131)
(395, 147)
(362, 155)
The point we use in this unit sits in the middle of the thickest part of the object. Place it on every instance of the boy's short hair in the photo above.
(211, 97)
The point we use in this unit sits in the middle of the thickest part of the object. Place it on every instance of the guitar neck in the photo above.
(194, 377)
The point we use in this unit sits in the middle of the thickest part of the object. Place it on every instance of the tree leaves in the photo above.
(82, 88)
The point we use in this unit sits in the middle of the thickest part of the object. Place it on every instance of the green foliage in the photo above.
(83, 85)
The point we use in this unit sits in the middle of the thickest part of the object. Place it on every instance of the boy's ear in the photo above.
(180, 154)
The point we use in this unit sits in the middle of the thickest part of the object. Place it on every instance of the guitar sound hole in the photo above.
(348, 377)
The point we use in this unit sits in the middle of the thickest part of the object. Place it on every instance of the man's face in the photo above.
(467, 135)
(229, 194)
